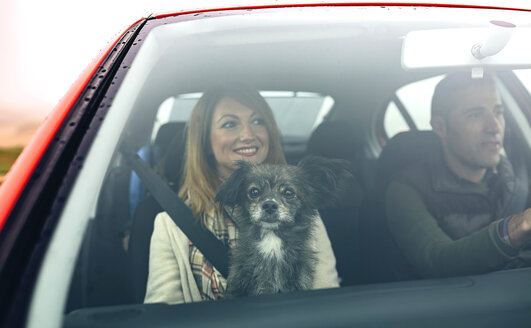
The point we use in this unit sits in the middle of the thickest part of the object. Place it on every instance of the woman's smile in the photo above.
(247, 151)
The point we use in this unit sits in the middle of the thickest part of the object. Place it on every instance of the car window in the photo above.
(297, 113)
(525, 77)
(394, 121)
(415, 99)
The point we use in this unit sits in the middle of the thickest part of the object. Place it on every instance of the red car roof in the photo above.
(202, 6)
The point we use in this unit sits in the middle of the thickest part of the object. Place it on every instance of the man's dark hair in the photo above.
(442, 102)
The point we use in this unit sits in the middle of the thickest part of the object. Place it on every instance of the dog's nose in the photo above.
(270, 206)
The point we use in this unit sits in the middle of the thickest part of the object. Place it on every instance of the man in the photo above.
(454, 214)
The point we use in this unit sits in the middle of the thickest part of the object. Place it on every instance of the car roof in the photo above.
(197, 6)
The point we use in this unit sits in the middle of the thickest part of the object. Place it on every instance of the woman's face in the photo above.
(237, 133)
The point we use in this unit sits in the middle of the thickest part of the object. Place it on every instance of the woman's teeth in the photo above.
(246, 150)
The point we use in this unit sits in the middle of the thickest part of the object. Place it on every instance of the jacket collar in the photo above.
(445, 180)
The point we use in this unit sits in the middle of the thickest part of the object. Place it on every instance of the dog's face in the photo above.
(271, 196)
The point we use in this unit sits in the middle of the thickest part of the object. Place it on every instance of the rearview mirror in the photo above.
(500, 45)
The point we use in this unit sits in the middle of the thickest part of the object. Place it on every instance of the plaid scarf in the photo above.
(212, 285)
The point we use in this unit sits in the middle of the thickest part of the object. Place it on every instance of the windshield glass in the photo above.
(427, 157)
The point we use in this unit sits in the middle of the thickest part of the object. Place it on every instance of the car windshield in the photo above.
(338, 87)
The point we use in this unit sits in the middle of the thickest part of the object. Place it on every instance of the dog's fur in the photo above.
(275, 208)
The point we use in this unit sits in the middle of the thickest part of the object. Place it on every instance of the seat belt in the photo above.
(211, 247)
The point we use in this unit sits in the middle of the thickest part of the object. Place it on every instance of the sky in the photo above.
(45, 46)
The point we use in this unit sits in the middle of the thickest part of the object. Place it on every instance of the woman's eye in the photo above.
(228, 125)
(289, 193)
(254, 192)
(258, 121)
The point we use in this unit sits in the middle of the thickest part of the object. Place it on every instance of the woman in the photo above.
(227, 124)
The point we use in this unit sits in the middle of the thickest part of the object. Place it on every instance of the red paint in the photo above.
(21, 171)
(340, 4)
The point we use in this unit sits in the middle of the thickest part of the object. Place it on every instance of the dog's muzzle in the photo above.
(270, 211)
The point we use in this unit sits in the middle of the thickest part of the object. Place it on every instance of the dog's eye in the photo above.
(289, 193)
(254, 192)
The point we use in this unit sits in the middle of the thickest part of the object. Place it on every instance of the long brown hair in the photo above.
(199, 180)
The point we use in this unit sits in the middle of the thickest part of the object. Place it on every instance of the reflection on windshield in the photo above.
(437, 158)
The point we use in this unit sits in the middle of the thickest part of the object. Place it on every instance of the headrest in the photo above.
(167, 133)
(335, 139)
(404, 149)
(174, 152)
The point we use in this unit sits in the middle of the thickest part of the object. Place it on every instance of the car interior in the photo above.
(343, 100)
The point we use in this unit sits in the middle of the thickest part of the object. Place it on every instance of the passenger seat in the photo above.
(144, 214)
(334, 139)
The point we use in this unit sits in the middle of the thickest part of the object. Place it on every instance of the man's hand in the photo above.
(519, 228)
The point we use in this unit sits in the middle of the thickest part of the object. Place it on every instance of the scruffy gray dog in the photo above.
(275, 208)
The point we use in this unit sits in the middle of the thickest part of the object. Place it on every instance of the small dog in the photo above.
(275, 208)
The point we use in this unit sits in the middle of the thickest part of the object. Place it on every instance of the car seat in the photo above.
(152, 154)
(145, 213)
(386, 263)
(335, 139)
(100, 274)
(401, 151)
(103, 273)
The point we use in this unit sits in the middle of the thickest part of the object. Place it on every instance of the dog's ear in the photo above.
(229, 193)
(328, 180)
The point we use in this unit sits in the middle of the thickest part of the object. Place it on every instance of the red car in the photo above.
(68, 208)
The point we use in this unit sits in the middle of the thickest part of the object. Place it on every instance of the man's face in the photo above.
(475, 127)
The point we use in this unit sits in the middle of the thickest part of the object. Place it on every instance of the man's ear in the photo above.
(438, 124)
